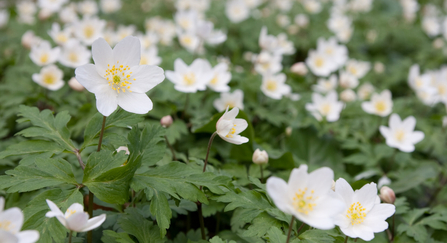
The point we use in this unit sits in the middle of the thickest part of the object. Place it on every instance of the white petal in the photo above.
(321, 180)
(298, 179)
(180, 66)
(385, 131)
(146, 77)
(230, 115)
(368, 107)
(345, 190)
(102, 55)
(74, 208)
(395, 121)
(241, 125)
(172, 76)
(2, 204)
(416, 137)
(278, 190)
(127, 52)
(28, 236)
(94, 223)
(54, 209)
(408, 148)
(90, 79)
(106, 101)
(15, 216)
(236, 139)
(77, 221)
(8, 237)
(363, 232)
(409, 123)
(135, 102)
(366, 196)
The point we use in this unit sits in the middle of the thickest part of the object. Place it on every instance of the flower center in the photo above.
(232, 132)
(48, 78)
(70, 212)
(44, 58)
(187, 40)
(400, 135)
(356, 213)
(353, 70)
(215, 80)
(61, 38)
(380, 106)
(329, 51)
(144, 60)
(271, 85)
(189, 79)
(441, 89)
(325, 109)
(319, 62)
(230, 104)
(6, 225)
(73, 57)
(119, 77)
(89, 31)
(303, 203)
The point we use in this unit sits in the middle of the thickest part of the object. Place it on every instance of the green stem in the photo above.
(186, 106)
(290, 229)
(171, 148)
(299, 229)
(392, 231)
(69, 236)
(102, 133)
(262, 174)
(346, 239)
(202, 223)
(208, 150)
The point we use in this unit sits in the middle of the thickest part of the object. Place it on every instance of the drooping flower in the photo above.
(231, 100)
(365, 215)
(307, 196)
(117, 79)
(49, 77)
(274, 86)
(75, 219)
(380, 104)
(190, 79)
(11, 221)
(328, 107)
(400, 134)
(228, 127)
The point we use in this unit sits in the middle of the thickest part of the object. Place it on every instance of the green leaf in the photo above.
(418, 175)
(47, 126)
(316, 236)
(248, 200)
(261, 224)
(46, 172)
(275, 235)
(108, 176)
(135, 224)
(110, 236)
(284, 162)
(160, 208)
(31, 147)
(217, 239)
(149, 142)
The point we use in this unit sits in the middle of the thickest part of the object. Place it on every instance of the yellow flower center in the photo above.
(61, 38)
(73, 57)
(400, 135)
(271, 85)
(89, 31)
(189, 79)
(352, 70)
(187, 40)
(44, 58)
(215, 80)
(329, 51)
(144, 60)
(325, 109)
(70, 212)
(418, 82)
(232, 132)
(119, 77)
(6, 225)
(441, 89)
(230, 104)
(48, 78)
(304, 203)
(319, 62)
(356, 213)
(380, 106)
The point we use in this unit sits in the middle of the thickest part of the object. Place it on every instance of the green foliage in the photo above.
(135, 224)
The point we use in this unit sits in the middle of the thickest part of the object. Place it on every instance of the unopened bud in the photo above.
(166, 121)
(379, 67)
(75, 85)
(387, 195)
(348, 95)
(299, 68)
(260, 157)
(288, 131)
(44, 14)
(29, 39)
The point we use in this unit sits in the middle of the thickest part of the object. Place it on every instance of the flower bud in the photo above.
(260, 157)
(379, 67)
(387, 195)
(288, 131)
(299, 68)
(166, 121)
(75, 85)
(348, 95)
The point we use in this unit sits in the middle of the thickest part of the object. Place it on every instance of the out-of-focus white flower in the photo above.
(274, 86)
(260, 157)
(268, 63)
(357, 68)
(4, 17)
(293, 29)
(26, 11)
(75, 85)
(438, 43)
(89, 29)
(205, 31)
(301, 20)
(110, 6)
(231, 100)
(418, 81)
(347, 80)
(68, 15)
(11, 221)
(325, 85)
(253, 3)
(148, 40)
(348, 95)
(383, 181)
(74, 54)
(401, 134)
(166, 121)
(197, 5)
(150, 56)
(410, 7)
(285, 46)
(283, 5)
(431, 25)
(328, 107)
(75, 219)
(268, 42)
(51, 5)
(283, 20)
(365, 90)
(61, 37)
(299, 68)
(320, 64)
(237, 11)
(360, 5)
(186, 19)
(29, 39)
(335, 52)
(125, 31)
(88, 7)
(42, 54)
(190, 79)
(312, 6)
(307, 196)
(379, 67)
(228, 127)
(338, 22)
(221, 78)
(365, 215)
(49, 77)
(189, 41)
(116, 78)
(110, 36)
(380, 104)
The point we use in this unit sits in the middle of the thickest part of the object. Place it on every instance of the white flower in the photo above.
(29, 39)
(380, 104)
(268, 42)
(49, 77)
(410, 7)
(260, 157)
(301, 20)
(328, 107)
(221, 78)
(312, 6)
(51, 6)
(4, 17)
(357, 68)
(74, 54)
(89, 29)
(117, 79)
(299, 68)
(205, 31)
(268, 63)
(75, 219)
(150, 56)
(192, 78)
(110, 6)
(26, 11)
(347, 80)
(61, 37)
(88, 8)
(75, 85)
(231, 100)
(361, 5)
(124, 31)
(320, 64)
(274, 86)
(189, 40)
(348, 95)
(68, 15)
(11, 221)
(418, 81)
(42, 54)
(335, 52)
(237, 11)
(365, 215)
(379, 67)
(186, 20)
(365, 90)
(148, 40)
(307, 196)
(325, 85)
(283, 20)
(285, 46)
(401, 134)
(228, 127)
(431, 25)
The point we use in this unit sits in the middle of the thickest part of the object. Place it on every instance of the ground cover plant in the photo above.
(186, 121)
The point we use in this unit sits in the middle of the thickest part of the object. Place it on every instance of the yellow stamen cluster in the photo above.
(44, 58)
(400, 135)
(6, 225)
(303, 202)
(70, 212)
(119, 77)
(380, 106)
(189, 79)
(48, 78)
(232, 132)
(73, 56)
(353, 70)
(62, 38)
(325, 109)
(356, 213)
(89, 31)
(319, 62)
(271, 85)
(215, 80)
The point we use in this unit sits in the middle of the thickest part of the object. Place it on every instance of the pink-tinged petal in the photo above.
(366, 196)
(54, 209)
(106, 101)
(321, 181)
(409, 123)
(172, 76)
(278, 190)
(94, 223)
(385, 131)
(102, 56)
(135, 102)
(15, 216)
(8, 237)
(345, 191)
(74, 208)
(28, 236)
(90, 79)
(298, 179)
(363, 232)
(127, 52)
(240, 125)
(416, 137)
(77, 221)
(145, 77)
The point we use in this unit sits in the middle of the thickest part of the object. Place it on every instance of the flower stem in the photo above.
(394, 226)
(262, 174)
(171, 148)
(290, 229)
(346, 239)
(186, 106)
(299, 229)
(69, 236)
(208, 150)
(102, 133)
(202, 223)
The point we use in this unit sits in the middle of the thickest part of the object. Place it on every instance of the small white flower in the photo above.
(11, 221)
(365, 215)
(29, 39)
(205, 31)
(74, 54)
(110, 6)
(88, 8)
(301, 20)
(228, 127)
(268, 63)
(51, 5)
(348, 95)
(150, 39)
(286, 47)
(357, 68)
(42, 54)
(274, 86)
(268, 42)
(61, 37)
(335, 52)
(260, 157)
(328, 107)
(431, 25)
(186, 20)
(401, 134)
(89, 29)
(312, 6)
(418, 81)
(4, 17)
(75, 85)
(380, 104)
(237, 11)
(379, 67)
(231, 100)
(307, 196)
(221, 78)
(347, 80)
(190, 79)
(365, 90)
(189, 40)
(26, 11)
(49, 77)
(325, 85)
(124, 31)
(75, 219)
(68, 15)
(320, 64)
(299, 68)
